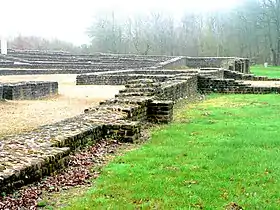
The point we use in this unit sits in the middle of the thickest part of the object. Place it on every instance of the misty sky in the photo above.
(68, 20)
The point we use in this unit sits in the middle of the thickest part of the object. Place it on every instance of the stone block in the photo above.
(29, 90)
(160, 112)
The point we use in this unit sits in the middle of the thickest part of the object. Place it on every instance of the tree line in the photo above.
(38, 43)
(249, 30)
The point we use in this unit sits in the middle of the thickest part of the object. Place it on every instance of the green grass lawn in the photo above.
(271, 71)
(225, 149)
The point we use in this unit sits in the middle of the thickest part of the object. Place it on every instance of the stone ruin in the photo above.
(149, 97)
(45, 62)
(20, 62)
(28, 90)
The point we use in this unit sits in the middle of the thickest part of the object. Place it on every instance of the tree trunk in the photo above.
(274, 57)
(278, 52)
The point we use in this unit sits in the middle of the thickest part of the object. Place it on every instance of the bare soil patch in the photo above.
(19, 116)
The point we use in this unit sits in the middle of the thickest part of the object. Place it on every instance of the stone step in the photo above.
(133, 94)
(141, 85)
(141, 90)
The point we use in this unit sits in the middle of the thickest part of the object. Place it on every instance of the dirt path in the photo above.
(18, 116)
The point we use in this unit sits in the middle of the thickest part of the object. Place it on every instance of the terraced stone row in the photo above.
(27, 71)
(74, 65)
(62, 60)
(49, 55)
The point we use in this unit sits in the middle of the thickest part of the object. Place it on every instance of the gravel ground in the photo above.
(19, 116)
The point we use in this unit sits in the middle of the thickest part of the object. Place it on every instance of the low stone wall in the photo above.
(160, 112)
(241, 76)
(172, 63)
(121, 77)
(29, 90)
(115, 79)
(1, 92)
(29, 156)
(179, 87)
(208, 85)
(232, 63)
(159, 108)
(213, 72)
(209, 62)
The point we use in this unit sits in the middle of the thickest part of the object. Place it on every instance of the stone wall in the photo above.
(160, 111)
(180, 87)
(228, 74)
(26, 157)
(115, 79)
(213, 72)
(172, 63)
(121, 77)
(1, 92)
(208, 85)
(29, 90)
(234, 64)
(201, 62)
(175, 89)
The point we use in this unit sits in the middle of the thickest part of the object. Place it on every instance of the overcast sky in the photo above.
(68, 20)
